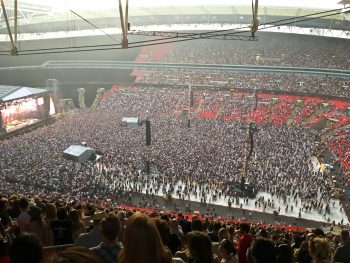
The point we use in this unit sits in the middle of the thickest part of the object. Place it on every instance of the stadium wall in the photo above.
(68, 80)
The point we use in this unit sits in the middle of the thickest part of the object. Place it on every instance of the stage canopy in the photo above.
(78, 153)
(127, 121)
(9, 93)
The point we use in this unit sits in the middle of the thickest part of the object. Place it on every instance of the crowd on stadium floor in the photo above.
(88, 233)
(205, 159)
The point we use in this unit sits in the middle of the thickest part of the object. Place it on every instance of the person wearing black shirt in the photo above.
(62, 228)
(342, 253)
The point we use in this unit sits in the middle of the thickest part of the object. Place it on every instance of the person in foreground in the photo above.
(109, 248)
(342, 254)
(142, 242)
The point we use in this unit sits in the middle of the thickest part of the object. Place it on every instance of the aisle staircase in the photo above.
(199, 107)
(270, 113)
(295, 112)
(218, 115)
(331, 133)
(310, 118)
(178, 103)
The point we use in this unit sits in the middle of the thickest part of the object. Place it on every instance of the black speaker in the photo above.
(191, 99)
(46, 108)
(148, 133)
(2, 124)
(243, 183)
(148, 168)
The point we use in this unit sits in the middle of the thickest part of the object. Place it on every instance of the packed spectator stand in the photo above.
(271, 50)
(324, 85)
(90, 233)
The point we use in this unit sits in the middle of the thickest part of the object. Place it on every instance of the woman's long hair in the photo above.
(319, 249)
(142, 242)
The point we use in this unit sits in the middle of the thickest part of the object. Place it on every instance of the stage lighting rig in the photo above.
(255, 22)
(205, 35)
(124, 22)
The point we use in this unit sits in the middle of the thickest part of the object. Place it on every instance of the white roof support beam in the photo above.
(14, 51)
(15, 21)
(124, 22)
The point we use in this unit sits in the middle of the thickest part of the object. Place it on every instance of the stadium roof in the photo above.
(108, 4)
(344, 2)
(38, 12)
(9, 93)
(48, 19)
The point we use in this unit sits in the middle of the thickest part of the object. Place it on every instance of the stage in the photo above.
(19, 124)
(23, 107)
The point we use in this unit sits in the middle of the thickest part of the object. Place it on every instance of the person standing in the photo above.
(244, 242)
(342, 253)
(142, 242)
(23, 218)
(109, 248)
(37, 225)
(94, 237)
(61, 229)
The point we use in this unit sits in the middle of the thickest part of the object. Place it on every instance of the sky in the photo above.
(101, 4)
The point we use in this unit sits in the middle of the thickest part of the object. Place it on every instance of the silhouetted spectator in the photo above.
(26, 248)
(62, 228)
(342, 254)
(263, 251)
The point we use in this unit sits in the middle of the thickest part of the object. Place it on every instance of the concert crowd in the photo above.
(202, 162)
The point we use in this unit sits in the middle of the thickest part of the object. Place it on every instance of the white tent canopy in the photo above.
(9, 93)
